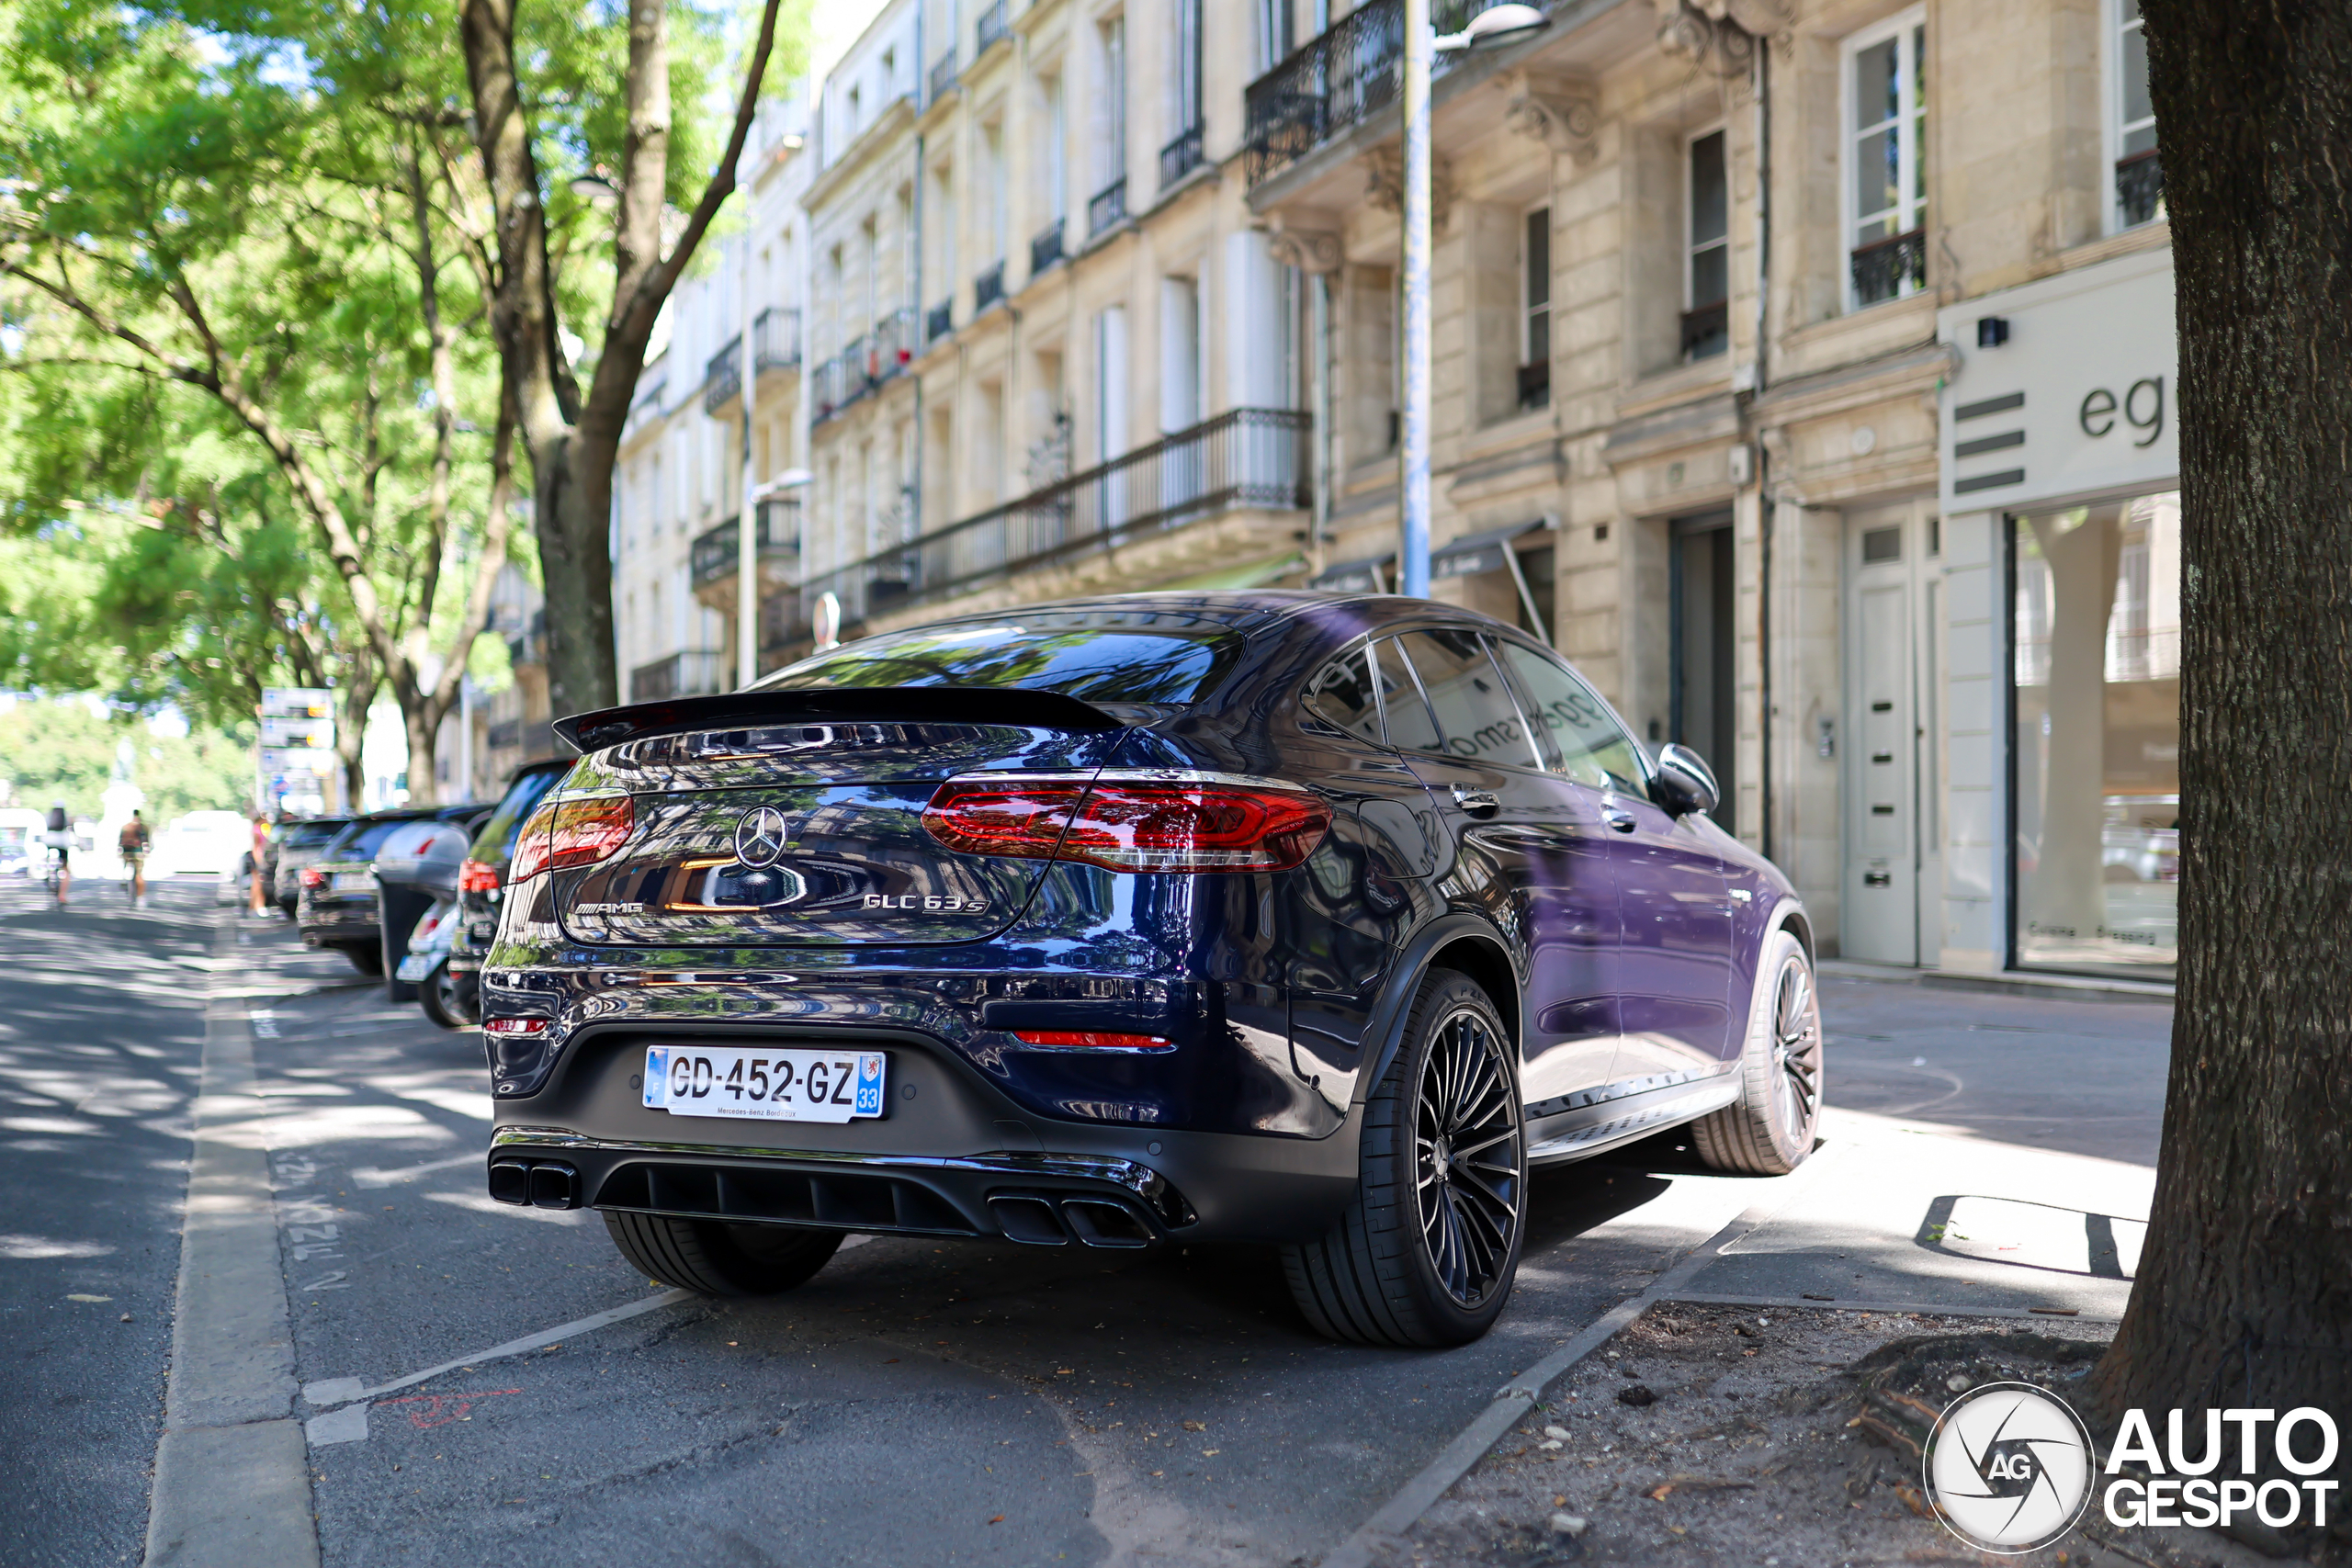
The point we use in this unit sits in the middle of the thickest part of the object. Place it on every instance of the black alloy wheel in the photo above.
(1467, 1157)
(443, 998)
(1427, 1251)
(1770, 1129)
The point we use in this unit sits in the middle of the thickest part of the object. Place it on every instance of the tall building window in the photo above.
(1183, 150)
(1273, 39)
(1706, 279)
(2139, 177)
(1535, 294)
(1886, 188)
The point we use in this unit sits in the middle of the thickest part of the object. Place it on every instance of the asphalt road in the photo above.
(918, 1401)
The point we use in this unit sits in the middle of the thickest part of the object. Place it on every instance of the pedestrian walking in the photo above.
(133, 844)
(257, 860)
(60, 834)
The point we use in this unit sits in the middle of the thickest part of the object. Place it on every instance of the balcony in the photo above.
(722, 377)
(1045, 249)
(1108, 206)
(1179, 157)
(942, 74)
(890, 346)
(715, 556)
(1339, 79)
(2139, 189)
(775, 339)
(1241, 458)
(987, 288)
(689, 673)
(939, 322)
(1706, 332)
(1886, 268)
(990, 30)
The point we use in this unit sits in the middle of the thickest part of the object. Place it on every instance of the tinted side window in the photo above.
(1410, 728)
(1593, 749)
(1341, 694)
(1473, 708)
(495, 842)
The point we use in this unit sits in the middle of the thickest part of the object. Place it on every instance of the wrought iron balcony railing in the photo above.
(689, 673)
(1339, 79)
(939, 322)
(992, 27)
(2139, 187)
(987, 288)
(890, 346)
(835, 382)
(723, 377)
(1256, 457)
(1107, 207)
(1045, 249)
(1889, 267)
(715, 550)
(1706, 332)
(1179, 157)
(775, 339)
(942, 74)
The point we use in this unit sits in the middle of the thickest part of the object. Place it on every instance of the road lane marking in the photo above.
(370, 1175)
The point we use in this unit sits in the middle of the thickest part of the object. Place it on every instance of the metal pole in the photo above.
(747, 514)
(1413, 459)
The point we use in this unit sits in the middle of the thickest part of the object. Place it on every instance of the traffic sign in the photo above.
(298, 701)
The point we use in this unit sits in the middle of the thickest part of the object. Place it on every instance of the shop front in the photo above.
(2059, 480)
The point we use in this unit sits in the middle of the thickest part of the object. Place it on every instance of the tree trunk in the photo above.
(2245, 1291)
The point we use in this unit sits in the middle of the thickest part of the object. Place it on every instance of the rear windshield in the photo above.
(362, 839)
(495, 842)
(308, 835)
(1101, 656)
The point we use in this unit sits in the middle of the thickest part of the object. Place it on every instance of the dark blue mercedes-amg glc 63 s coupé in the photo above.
(1283, 917)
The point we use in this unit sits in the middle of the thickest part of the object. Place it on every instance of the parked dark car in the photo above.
(482, 875)
(295, 845)
(1272, 917)
(337, 906)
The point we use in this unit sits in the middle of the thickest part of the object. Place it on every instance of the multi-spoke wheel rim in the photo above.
(1796, 1048)
(1466, 1157)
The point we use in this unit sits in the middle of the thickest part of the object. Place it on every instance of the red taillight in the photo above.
(514, 1026)
(1132, 824)
(1095, 1039)
(476, 876)
(313, 877)
(573, 832)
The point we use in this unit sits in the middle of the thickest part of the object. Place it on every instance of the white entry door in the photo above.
(1887, 751)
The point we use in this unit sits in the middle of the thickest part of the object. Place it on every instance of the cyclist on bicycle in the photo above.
(60, 834)
(134, 845)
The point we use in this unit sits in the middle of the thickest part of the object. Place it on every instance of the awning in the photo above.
(1476, 553)
(1372, 574)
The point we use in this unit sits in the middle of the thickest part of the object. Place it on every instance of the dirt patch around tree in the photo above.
(1765, 1437)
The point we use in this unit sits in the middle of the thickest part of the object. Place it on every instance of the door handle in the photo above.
(1477, 802)
(1623, 821)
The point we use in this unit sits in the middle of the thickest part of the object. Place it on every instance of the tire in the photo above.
(368, 959)
(1422, 1260)
(1768, 1130)
(711, 1258)
(441, 997)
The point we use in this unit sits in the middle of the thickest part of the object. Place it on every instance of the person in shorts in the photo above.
(133, 844)
(257, 859)
(59, 833)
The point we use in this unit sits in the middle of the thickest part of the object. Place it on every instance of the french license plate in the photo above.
(353, 882)
(416, 966)
(763, 1084)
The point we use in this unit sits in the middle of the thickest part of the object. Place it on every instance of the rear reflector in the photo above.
(476, 876)
(1095, 1039)
(1132, 824)
(514, 1026)
(573, 832)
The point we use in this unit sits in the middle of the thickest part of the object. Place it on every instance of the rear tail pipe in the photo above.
(535, 1184)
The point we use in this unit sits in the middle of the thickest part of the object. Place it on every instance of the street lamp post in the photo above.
(1499, 24)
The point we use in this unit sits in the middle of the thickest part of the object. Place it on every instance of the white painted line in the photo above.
(334, 1391)
(1514, 1399)
(232, 1487)
(349, 1425)
(372, 1177)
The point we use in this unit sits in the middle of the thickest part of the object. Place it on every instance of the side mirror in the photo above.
(1685, 783)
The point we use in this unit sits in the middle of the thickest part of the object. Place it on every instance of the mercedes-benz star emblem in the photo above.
(759, 836)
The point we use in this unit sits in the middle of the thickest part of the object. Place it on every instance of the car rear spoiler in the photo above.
(870, 704)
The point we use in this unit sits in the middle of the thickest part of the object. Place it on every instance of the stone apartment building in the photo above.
(1803, 371)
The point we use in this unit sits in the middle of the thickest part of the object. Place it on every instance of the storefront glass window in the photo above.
(2096, 626)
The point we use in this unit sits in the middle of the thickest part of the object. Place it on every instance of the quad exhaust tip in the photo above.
(1037, 1221)
(535, 1184)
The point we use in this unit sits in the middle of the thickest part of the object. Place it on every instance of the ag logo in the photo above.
(759, 836)
(2009, 1467)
